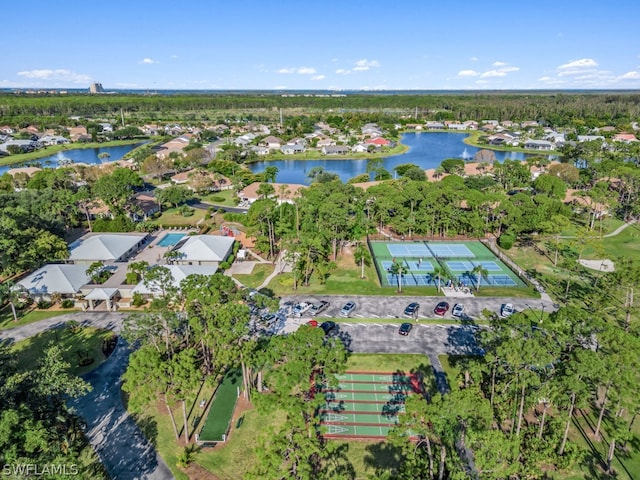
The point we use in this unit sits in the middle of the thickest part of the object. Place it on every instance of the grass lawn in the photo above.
(257, 276)
(25, 317)
(173, 217)
(224, 197)
(86, 342)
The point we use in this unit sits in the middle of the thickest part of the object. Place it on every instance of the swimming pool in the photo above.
(170, 239)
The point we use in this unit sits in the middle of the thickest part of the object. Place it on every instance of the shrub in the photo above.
(223, 265)
(138, 300)
(131, 278)
(506, 240)
(43, 304)
(67, 303)
(217, 199)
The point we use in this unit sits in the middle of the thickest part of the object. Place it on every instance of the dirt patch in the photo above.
(605, 265)
(196, 472)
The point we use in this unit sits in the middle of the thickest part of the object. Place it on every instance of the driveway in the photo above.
(123, 449)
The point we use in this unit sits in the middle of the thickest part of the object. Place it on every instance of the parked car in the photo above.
(412, 310)
(405, 328)
(348, 309)
(328, 327)
(301, 308)
(507, 310)
(441, 309)
(458, 310)
(312, 323)
(317, 308)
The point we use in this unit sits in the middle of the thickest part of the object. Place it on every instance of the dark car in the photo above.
(441, 309)
(328, 327)
(405, 328)
(412, 310)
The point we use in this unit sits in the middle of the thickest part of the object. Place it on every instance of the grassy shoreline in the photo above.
(53, 149)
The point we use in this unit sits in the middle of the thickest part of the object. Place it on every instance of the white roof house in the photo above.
(64, 279)
(205, 250)
(105, 247)
(178, 273)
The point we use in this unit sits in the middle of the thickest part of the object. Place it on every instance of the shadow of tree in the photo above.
(382, 456)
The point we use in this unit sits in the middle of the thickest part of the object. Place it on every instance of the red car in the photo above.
(312, 323)
(441, 309)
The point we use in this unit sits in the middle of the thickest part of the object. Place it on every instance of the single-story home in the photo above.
(539, 145)
(335, 150)
(64, 279)
(284, 192)
(178, 273)
(105, 247)
(207, 250)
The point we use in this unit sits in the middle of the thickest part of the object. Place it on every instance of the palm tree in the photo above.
(439, 273)
(398, 269)
(362, 256)
(11, 293)
(480, 272)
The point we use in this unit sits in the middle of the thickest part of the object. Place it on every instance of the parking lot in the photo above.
(372, 307)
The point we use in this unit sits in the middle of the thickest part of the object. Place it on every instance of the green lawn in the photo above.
(257, 276)
(25, 317)
(229, 198)
(86, 342)
(172, 217)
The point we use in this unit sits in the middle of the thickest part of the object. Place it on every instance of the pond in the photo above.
(90, 156)
(426, 149)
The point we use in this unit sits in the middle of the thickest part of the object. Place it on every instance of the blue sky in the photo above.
(329, 44)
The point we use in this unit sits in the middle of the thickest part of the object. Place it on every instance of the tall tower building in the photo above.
(96, 87)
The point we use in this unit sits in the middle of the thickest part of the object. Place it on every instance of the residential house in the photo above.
(292, 149)
(325, 142)
(624, 137)
(371, 130)
(175, 145)
(284, 192)
(335, 150)
(539, 145)
(380, 142)
(105, 247)
(178, 274)
(67, 280)
(271, 142)
(145, 206)
(79, 134)
(48, 140)
(260, 150)
(434, 125)
(208, 250)
(456, 126)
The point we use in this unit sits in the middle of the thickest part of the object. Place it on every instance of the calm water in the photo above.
(83, 155)
(427, 150)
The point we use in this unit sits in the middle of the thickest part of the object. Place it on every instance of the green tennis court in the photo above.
(456, 259)
(216, 427)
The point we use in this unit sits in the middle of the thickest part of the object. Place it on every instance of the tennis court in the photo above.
(365, 405)
(455, 261)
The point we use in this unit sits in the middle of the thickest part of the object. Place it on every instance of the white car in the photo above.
(301, 308)
(458, 310)
(507, 310)
(348, 309)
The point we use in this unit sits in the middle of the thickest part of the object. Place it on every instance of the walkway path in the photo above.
(121, 445)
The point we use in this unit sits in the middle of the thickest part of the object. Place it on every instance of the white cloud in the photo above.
(579, 64)
(360, 66)
(468, 73)
(148, 61)
(318, 77)
(630, 76)
(58, 74)
(474, 59)
(364, 65)
(498, 64)
(493, 73)
(501, 71)
(298, 70)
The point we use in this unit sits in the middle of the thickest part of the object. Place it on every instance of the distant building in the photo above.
(96, 87)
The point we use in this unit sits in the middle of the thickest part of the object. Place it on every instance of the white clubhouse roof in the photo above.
(65, 279)
(206, 248)
(101, 294)
(179, 273)
(104, 246)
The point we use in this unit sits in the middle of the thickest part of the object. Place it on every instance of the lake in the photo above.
(80, 155)
(426, 149)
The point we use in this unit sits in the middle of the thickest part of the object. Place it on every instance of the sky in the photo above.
(322, 45)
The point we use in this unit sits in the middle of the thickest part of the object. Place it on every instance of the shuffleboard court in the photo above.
(343, 417)
(355, 431)
(369, 387)
(384, 408)
(377, 377)
(366, 397)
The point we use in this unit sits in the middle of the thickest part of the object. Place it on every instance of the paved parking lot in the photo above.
(393, 307)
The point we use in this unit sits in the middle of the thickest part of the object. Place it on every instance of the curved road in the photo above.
(122, 447)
